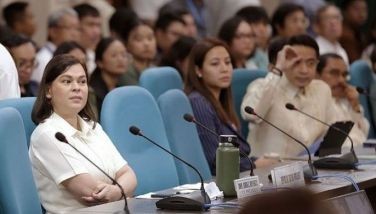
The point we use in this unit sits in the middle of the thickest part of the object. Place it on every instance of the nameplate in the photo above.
(290, 175)
(247, 186)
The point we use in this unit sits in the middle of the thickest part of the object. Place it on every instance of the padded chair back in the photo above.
(18, 194)
(24, 106)
(241, 78)
(361, 75)
(160, 79)
(183, 136)
(133, 105)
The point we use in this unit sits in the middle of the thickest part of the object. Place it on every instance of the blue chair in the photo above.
(240, 81)
(24, 106)
(18, 194)
(133, 105)
(160, 79)
(183, 136)
(361, 75)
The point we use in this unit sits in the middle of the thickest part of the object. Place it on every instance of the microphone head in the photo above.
(188, 117)
(290, 106)
(135, 130)
(61, 137)
(360, 90)
(249, 110)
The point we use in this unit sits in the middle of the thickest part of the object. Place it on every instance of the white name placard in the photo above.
(290, 175)
(247, 186)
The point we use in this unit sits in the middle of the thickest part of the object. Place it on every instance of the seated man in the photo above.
(23, 52)
(332, 69)
(290, 81)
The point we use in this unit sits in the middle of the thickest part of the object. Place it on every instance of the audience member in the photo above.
(328, 26)
(354, 17)
(9, 87)
(19, 18)
(140, 42)
(63, 25)
(238, 35)
(372, 90)
(366, 54)
(333, 70)
(90, 31)
(177, 57)
(258, 19)
(168, 28)
(184, 13)
(290, 81)
(23, 52)
(289, 20)
(65, 180)
(112, 62)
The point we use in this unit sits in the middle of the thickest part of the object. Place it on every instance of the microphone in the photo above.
(191, 119)
(308, 172)
(346, 161)
(193, 203)
(61, 137)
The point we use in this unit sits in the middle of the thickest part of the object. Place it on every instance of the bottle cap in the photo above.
(228, 139)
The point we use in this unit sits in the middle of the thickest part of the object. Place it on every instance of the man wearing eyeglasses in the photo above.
(23, 52)
(328, 26)
(292, 80)
(332, 69)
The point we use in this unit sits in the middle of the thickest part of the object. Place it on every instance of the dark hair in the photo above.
(165, 20)
(178, 52)
(373, 55)
(275, 46)
(42, 108)
(84, 10)
(345, 4)
(228, 29)
(224, 107)
(16, 40)
(123, 22)
(253, 14)
(14, 12)
(304, 40)
(171, 7)
(323, 60)
(284, 10)
(321, 10)
(102, 46)
(67, 47)
(286, 201)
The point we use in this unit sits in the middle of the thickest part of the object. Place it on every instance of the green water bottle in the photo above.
(227, 164)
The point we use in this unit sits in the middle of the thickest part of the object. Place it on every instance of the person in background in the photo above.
(112, 62)
(238, 35)
(178, 55)
(333, 70)
(90, 32)
(139, 39)
(9, 85)
(63, 25)
(353, 40)
(184, 13)
(291, 80)
(65, 180)
(372, 90)
(328, 26)
(19, 18)
(258, 19)
(289, 20)
(23, 51)
(168, 28)
(72, 48)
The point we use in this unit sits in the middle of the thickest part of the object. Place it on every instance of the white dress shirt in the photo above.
(344, 112)
(43, 56)
(9, 86)
(268, 97)
(54, 162)
(326, 46)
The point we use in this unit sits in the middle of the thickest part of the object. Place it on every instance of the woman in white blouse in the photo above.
(64, 178)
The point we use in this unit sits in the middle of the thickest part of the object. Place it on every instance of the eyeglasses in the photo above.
(25, 64)
(70, 28)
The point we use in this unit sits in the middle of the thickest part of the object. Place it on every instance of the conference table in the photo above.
(326, 188)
